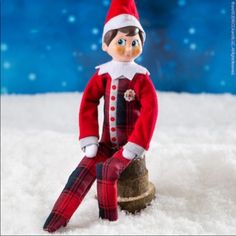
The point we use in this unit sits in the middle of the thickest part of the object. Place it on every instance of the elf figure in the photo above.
(130, 114)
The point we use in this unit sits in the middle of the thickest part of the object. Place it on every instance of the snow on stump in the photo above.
(135, 192)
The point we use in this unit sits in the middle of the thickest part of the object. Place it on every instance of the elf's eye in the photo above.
(122, 42)
(135, 43)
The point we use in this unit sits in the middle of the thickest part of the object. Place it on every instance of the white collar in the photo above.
(118, 69)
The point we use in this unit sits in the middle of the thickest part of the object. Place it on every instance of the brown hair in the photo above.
(129, 31)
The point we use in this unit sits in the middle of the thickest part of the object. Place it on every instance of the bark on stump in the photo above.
(135, 192)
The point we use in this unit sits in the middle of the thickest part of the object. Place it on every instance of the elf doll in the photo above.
(130, 114)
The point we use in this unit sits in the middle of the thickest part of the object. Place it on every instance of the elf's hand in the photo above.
(91, 150)
(128, 154)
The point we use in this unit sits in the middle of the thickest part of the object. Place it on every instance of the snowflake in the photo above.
(32, 76)
(94, 47)
(106, 3)
(64, 84)
(192, 30)
(48, 48)
(186, 41)
(193, 46)
(181, 3)
(71, 19)
(222, 83)
(4, 47)
(80, 68)
(95, 31)
(223, 11)
(206, 67)
(6, 65)
(64, 11)
(34, 31)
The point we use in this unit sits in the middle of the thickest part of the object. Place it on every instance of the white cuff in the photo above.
(88, 141)
(91, 150)
(128, 155)
(134, 148)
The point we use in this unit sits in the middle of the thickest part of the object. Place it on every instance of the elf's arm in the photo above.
(88, 114)
(140, 138)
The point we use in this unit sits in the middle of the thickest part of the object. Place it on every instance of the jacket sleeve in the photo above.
(140, 138)
(88, 113)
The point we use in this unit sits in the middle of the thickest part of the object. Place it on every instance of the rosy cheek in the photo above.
(136, 51)
(120, 50)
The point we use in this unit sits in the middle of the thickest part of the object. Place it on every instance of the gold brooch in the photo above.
(129, 95)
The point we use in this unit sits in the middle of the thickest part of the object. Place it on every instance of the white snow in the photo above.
(192, 162)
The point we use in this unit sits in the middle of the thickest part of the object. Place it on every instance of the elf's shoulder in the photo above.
(102, 68)
(142, 70)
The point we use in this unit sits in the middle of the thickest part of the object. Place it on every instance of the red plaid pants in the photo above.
(107, 168)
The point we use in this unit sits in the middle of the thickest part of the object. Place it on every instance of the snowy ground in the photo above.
(192, 162)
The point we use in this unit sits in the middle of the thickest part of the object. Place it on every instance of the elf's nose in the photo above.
(128, 50)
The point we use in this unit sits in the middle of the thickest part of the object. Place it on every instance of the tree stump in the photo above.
(135, 192)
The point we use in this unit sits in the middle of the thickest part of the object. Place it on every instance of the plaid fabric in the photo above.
(75, 190)
(127, 112)
(135, 120)
(107, 176)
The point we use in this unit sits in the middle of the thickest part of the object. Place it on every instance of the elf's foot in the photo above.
(54, 222)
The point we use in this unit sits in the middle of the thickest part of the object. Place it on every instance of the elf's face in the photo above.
(124, 48)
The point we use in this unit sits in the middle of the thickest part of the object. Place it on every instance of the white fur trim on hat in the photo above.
(121, 21)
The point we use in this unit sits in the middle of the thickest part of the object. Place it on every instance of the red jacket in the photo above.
(130, 111)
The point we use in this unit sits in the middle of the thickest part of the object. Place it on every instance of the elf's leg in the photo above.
(73, 193)
(107, 176)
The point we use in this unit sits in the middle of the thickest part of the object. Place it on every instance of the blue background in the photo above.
(52, 46)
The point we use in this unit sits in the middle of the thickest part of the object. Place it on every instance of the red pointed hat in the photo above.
(122, 13)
